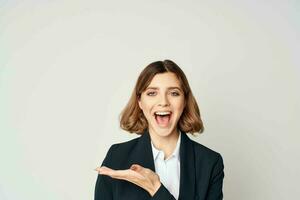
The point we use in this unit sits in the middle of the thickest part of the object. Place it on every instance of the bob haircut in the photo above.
(132, 118)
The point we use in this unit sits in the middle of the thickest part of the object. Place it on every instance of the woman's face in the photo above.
(162, 103)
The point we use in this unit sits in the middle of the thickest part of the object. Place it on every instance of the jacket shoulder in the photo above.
(205, 154)
(118, 153)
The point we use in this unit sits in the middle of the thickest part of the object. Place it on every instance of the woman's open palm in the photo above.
(143, 177)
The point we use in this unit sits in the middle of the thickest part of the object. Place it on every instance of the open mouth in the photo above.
(163, 118)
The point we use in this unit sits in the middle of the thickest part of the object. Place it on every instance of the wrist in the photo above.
(155, 187)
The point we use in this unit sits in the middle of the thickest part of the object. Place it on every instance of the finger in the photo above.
(120, 174)
(141, 170)
(137, 168)
(104, 170)
(97, 169)
(128, 174)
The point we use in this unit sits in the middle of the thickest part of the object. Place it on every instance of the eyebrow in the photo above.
(169, 88)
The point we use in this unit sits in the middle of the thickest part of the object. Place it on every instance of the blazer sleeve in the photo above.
(216, 181)
(162, 194)
(104, 184)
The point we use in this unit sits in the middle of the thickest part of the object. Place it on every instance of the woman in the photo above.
(163, 163)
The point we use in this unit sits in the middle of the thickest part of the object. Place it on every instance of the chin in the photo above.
(163, 132)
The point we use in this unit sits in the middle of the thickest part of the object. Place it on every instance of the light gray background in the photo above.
(67, 68)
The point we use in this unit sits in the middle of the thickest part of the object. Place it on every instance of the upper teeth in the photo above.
(163, 113)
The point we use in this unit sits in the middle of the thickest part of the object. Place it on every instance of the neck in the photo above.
(167, 144)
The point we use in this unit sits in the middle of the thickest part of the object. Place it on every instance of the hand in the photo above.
(143, 177)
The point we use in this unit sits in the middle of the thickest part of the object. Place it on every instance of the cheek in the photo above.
(142, 104)
(179, 105)
(146, 104)
(144, 107)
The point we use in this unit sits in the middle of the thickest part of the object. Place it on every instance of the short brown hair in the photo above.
(132, 118)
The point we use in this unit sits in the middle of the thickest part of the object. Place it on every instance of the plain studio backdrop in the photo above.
(67, 69)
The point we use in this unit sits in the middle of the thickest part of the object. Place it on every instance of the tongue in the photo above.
(163, 120)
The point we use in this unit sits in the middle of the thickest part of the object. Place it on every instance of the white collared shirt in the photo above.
(169, 169)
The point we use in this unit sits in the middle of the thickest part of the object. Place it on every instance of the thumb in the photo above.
(135, 167)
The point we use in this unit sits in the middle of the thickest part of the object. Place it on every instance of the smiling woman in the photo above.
(163, 163)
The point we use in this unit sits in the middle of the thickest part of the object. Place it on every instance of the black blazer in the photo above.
(201, 172)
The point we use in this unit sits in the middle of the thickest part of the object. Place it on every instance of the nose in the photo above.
(163, 101)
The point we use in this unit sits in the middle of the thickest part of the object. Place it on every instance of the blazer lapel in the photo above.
(187, 168)
(142, 153)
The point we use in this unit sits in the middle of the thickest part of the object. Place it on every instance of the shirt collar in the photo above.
(158, 153)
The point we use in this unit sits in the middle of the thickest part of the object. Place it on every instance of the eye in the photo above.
(175, 93)
(151, 93)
